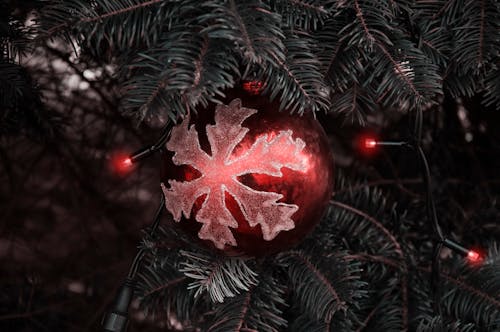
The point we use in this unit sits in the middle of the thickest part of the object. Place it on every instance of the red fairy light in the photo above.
(370, 143)
(127, 162)
(121, 164)
(367, 144)
(473, 256)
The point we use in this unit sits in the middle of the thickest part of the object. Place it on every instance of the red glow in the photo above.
(254, 87)
(367, 144)
(370, 143)
(121, 164)
(473, 256)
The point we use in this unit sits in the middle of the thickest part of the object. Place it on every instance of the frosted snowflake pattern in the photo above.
(219, 172)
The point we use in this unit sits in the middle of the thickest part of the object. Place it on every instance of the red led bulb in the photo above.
(121, 164)
(370, 143)
(127, 162)
(473, 256)
(367, 144)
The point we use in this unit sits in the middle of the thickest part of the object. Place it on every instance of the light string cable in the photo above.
(431, 215)
(430, 212)
(116, 320)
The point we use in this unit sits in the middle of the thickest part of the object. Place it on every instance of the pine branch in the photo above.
(492, 88)
(398, 71)
(475, 34)
(297, 81)
(162, 289)
(358, 228)
(341, 66)
(184, 70)
(324, 287)
(165, 286)
(436, 324)
(220, 277)
(354, 103)
(435, 41)
(460, 83)
(72, 7)
(385, 313)
(303, 14)
(250, 24)
(473, 295)
(258, 309)
(109, 28)
(374, 222)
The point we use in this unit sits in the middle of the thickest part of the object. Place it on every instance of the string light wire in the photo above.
(116, 319)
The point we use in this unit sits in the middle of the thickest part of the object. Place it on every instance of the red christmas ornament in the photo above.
(245, 178)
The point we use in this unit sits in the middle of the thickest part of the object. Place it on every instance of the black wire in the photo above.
(164, 137)
(116, 319)
(436, 278)
(431, 214)
(431, 207)
(418, 126)
(134, 267)
(159, 212)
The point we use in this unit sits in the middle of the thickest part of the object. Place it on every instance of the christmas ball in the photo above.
(243, 177)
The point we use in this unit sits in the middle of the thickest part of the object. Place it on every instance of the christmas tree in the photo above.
(393, 250)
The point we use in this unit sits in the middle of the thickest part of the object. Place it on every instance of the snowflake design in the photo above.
(219, 174)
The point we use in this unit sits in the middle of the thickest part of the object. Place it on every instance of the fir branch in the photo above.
(372, 312)
(340, 65)
(474, 295)
(459, 82)
(477, 292)
(73, 6)
(220, 277)
(376, 223)
(354, 103)
(162, 289)
(361, 17)
(323, 286)
(402, 76)
(109, 29)
(222, 324)
(165, 286)
(436, 324)
(475, 34)
(303, 14)
(340, 304)
(435, 41)
(358, 224)
(258, 309)
(492, 88)
(384, 312)
(184, 70)
(297, 81)
(481, 34)
(375, 258)
(250, 24)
